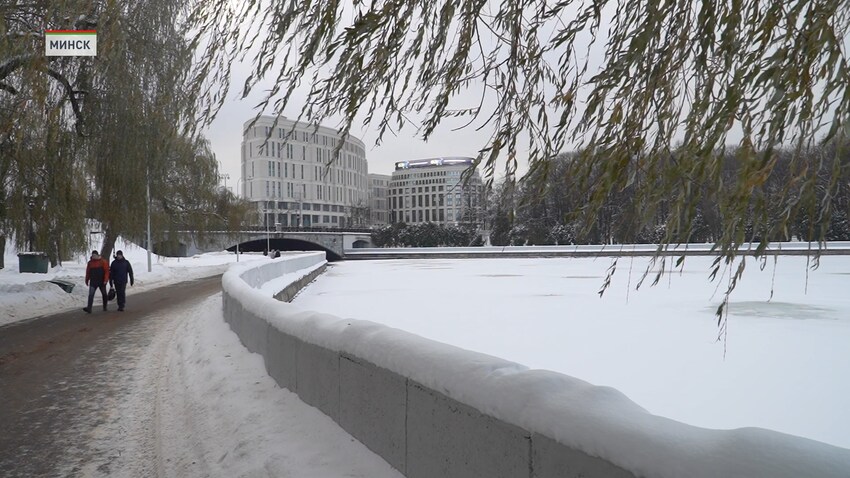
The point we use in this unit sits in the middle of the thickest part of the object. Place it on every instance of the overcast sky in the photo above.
(225, 135)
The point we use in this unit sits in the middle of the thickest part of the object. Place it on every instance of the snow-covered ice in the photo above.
(783, 365)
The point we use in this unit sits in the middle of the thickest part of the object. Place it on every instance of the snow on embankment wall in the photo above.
(431, 409)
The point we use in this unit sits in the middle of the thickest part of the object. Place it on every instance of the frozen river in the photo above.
(784, 364)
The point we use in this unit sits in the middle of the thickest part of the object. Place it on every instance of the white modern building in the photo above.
(378, 199)
(436, 190)
(289, 169)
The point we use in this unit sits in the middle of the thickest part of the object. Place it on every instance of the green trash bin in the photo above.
(33, 262)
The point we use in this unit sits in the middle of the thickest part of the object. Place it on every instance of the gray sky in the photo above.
(225, 135)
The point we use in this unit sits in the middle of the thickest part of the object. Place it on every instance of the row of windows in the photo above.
(307, 220)
(420, 189)
(409, 202)
(303, 206)
(429, 215)
(324, 156)
(428, 174)
(397, 191)
(419, 182)
(305, 137)
(282, 169)
(325, 193)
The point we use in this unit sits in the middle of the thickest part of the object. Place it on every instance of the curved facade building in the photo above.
(433, 190)
(289, 171)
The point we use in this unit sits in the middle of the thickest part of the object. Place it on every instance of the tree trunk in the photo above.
(108, 243)
(2, 251)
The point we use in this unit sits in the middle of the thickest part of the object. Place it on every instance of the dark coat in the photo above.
(97, 272)
(120, 270)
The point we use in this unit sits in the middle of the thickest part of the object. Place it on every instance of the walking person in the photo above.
(119, 272)
(97, 275)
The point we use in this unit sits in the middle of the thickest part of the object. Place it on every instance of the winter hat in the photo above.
(94, 253)
(119, 253)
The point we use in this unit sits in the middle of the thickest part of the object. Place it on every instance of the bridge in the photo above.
(334, 242)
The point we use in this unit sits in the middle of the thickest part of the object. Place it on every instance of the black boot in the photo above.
(87, 309)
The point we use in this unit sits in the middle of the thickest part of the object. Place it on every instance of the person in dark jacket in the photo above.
(119, 272)
(97, 275)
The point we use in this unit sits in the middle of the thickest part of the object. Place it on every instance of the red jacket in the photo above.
(97, 272)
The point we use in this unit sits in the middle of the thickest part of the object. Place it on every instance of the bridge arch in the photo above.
(284, 244)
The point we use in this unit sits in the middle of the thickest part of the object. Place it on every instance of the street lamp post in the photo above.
(30, 227)
(268, 231)
(148, 194)
(223, 176)
(298, 197)
(239, 233)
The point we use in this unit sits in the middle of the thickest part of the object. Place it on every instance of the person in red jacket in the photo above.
(97, 276)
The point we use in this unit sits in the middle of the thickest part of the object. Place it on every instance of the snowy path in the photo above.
(72, 402)
(166, 392)
(227, 417)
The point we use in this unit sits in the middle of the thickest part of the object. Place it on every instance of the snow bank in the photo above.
(25, 296)
(432, 409)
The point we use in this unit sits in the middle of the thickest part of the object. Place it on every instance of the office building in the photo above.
(290, 171)
(378, 199)
(436, 190)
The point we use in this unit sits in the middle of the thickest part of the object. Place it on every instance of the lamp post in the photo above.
(30, 227)
(148, 193)
(300, 208)
(268, 231)
(238, 195)
(225, 177)
(239, 233)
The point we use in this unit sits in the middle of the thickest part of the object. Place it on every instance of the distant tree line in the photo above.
(547, 206)
(426, 235)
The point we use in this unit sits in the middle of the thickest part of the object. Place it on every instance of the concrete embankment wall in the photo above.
(433, 410)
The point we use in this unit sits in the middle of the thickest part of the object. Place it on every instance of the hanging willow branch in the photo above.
(641, 89)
